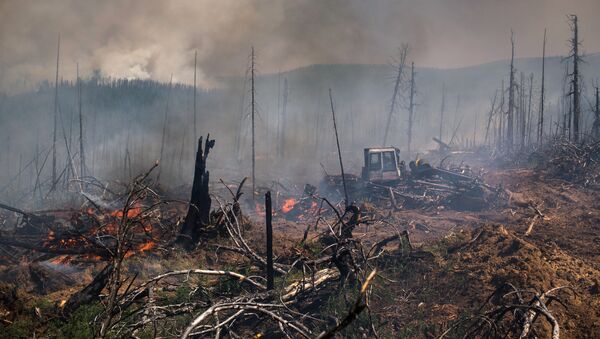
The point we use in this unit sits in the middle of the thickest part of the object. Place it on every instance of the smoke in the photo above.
(152, 39)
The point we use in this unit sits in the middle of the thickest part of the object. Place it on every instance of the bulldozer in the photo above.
(382, 165)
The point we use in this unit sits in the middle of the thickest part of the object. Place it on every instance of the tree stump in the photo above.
(198, 215)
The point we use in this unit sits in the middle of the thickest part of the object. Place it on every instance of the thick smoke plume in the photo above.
(154, 38)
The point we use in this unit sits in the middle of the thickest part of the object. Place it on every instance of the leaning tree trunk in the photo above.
(199, 210)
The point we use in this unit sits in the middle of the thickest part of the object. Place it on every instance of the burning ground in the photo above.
(404, 262)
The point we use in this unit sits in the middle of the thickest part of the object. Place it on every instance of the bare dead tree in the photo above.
(411, 106)
(240, 126)
(511, 97)
(195, 91)
(540, 130)
(522, 112)
(575, 77)
(529, 120)
(81, 137)
(490, 117)
(396, 92)
(283, 120)
(269, 229)
(501, 131)
(252, 113)
(442, 108)
(596, 125)
(337, 141)
(564, 104)
(54, 179)
(164, 129)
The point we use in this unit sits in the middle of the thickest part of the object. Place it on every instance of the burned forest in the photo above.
(299, 169)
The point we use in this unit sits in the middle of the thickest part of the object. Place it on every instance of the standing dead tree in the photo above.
(411, 106)
(529, 121)
(195, 91)
(282, 119)
(240, 126)
(540, 130)
(511, 97)
(522, 113)
(269, 229)
(442, 108)
(337, 141)
(575, 78)
(397, 87)
(596, 124)
(165, 128)
(198, 214)
(81, 138)
(252, 113)
(54, 179)
(490, 116)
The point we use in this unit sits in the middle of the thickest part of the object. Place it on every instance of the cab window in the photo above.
(389, 161)
(375, 161)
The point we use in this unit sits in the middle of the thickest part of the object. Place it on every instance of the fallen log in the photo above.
(89, 293)
(58, 251)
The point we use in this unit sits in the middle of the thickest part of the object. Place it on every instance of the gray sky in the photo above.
(154, 38)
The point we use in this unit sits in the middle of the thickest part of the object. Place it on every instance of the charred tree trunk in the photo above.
(596, 125)
(81, 138)
(164, 130)
(283, 119)
(253, 104)
(339, 150)
(411, 107)
(442, 112)
(529, 109)
(199, 210)
(269, 216)
(576, 110)
(195, 91)
(522, 113)
(501, 130)
(540, 130)
(511, 98)
(54, 179)
(489, 122)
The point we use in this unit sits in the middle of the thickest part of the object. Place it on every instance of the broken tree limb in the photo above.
(359, 305)
(530, 228)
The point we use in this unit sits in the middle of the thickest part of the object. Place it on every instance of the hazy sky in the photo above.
(154, 38)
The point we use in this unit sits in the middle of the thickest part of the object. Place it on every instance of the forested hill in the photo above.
(123, 116)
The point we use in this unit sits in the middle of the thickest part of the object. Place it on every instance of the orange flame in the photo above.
(288, 205)
(147, 246)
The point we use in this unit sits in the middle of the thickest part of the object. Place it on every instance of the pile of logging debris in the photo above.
(425, 186)
(563, 159)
